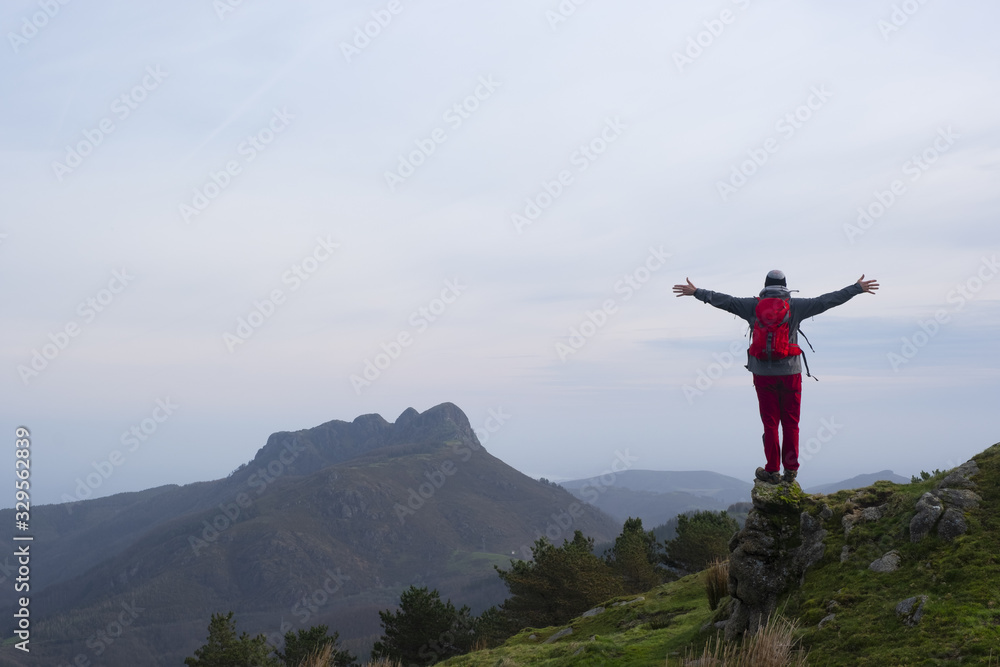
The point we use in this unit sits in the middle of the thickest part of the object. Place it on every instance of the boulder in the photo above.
(963, 499)
(952, 524)
(862, 515)
(929, 510)
(944, 508)
(565, 632)
(872, 513)
(911, 610)
(959, 477)
(622, 603)
(887, 563)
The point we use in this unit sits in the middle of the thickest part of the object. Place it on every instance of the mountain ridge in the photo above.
(418, 502)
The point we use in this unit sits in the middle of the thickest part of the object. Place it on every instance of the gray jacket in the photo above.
(799, 309)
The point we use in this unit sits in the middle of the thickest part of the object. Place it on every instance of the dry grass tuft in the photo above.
(772, 646)
(717, 582)
(319, 658)
(382, 662)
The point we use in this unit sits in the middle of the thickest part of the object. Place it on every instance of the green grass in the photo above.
(666, 621)
(961, 623)
(960, 626)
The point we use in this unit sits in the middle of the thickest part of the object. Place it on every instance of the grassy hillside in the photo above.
(961, 579)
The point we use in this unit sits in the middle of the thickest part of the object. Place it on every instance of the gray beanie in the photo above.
(775, 277)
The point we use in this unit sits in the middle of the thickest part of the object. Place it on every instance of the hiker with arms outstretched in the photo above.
(773, 358)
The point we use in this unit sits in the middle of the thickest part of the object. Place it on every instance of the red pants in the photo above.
(780, 397)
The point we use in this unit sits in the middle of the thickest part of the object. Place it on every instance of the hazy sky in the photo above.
(218, 215)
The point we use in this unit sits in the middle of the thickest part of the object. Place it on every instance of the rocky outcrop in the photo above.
(911, 610)
(778, 543)
(943, 510)
(929, 510)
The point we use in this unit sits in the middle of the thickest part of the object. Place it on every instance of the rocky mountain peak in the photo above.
(308, 450)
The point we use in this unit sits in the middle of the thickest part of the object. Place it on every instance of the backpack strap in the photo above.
(807, 341)
(804, 356)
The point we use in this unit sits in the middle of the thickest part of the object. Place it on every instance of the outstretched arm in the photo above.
(739, 307)
(820, 304)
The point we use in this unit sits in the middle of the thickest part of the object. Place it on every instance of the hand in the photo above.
(688, 290)
(869, 286)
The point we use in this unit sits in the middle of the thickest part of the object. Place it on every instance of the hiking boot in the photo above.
(790, 476)
(769, 477)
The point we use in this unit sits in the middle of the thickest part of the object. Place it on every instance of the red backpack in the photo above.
(770, 331)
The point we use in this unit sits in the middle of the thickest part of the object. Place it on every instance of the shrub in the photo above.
(701, 538)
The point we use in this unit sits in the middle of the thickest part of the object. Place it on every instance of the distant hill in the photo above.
(859, 481)
(656, 496)
(324, 525)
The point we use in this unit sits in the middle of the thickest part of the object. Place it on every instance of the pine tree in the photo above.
(424, 630)
(558, 584)
(224, 649)
(634, 557)
(701, 538)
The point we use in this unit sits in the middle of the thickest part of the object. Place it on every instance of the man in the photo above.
(777, 378)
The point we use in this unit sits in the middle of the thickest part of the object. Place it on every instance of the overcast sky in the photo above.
(217, 215)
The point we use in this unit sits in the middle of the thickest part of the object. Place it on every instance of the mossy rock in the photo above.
(783, 498)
